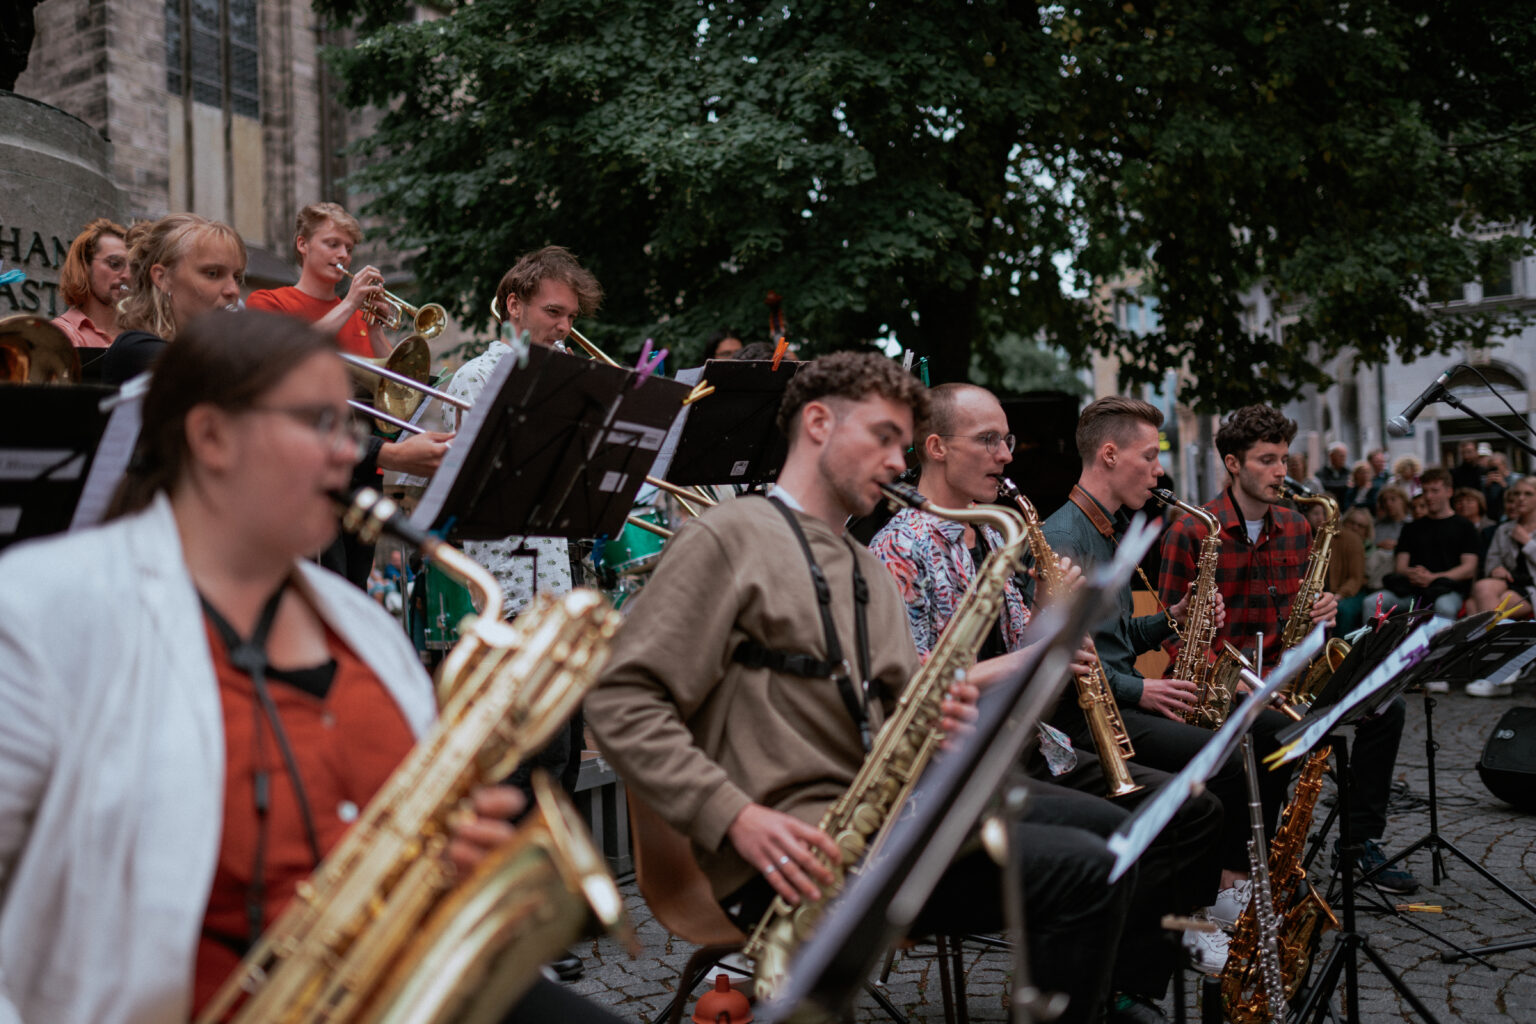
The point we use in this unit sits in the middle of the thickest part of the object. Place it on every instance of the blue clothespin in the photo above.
(11, 276)
(648, 363)
(598, 544)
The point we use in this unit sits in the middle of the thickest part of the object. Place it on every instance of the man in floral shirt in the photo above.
(963, 447)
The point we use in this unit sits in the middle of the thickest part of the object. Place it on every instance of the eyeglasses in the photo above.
(990, 440)
(114, 263)
(336, 426)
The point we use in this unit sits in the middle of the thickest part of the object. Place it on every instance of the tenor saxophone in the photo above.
(905, 744)
(1212, 700)
(1303, 916)
(1299, 623)
(1094, 695)
(382, 932)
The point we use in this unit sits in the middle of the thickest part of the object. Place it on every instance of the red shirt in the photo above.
(81, 330)
(353, 336)
(345, 747)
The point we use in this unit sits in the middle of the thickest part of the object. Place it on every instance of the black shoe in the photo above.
(567, 967)
(1395, 879)
(1128, 1009)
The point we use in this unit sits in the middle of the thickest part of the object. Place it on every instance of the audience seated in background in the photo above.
(1405, 474)
(1436, 555)
(1391, 514)
(1362, 488)
(1507, 568)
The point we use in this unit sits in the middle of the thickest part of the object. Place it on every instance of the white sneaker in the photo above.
(1207, 950)
(1230, 904)
(1437, 686)
(1484, 688)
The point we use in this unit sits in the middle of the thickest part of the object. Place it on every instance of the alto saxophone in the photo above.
(1212, 701)
(381, 932)
(905, 744)
(1094, 695)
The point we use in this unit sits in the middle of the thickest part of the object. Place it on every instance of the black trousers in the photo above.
(1372, 759)
(1179, 872)
(1168, 746)
(1073, 915)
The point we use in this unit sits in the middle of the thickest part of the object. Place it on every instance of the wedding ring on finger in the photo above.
(784, 860)
(769, 869)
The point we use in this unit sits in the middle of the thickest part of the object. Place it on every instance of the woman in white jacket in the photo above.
(150, 821)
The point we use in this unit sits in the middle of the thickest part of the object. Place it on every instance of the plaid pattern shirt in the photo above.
(1257, 580)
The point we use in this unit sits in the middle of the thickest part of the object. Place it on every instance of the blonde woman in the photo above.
(180, 266)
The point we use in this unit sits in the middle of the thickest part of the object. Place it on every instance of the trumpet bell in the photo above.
(430, 320)
(33, 351)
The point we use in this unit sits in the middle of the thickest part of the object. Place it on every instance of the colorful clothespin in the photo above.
(598, 544)
(779, 350)
(648, 363)
(518, 342)
(1381, 614)
(703, 389)
(11, 276)
(1502, 612)
(906, 360)
(922, 370)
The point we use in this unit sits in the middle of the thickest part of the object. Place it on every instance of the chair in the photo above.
(681, 900)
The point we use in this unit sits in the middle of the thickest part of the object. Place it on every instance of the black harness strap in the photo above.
(835, 667)
(249, 655)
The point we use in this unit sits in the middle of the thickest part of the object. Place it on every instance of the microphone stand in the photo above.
(1444, 395)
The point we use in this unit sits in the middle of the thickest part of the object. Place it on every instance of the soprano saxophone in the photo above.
(1299, 624)
(1094, 695)
(1212, 702)
(905, 744)
(383, 931)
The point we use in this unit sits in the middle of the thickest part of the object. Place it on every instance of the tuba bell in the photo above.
(33, 351)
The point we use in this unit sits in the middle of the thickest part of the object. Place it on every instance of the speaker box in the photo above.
(1508, 767)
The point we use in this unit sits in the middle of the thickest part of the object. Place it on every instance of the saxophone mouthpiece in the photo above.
(1297, 487)
(1006, 488)
(1165, 496)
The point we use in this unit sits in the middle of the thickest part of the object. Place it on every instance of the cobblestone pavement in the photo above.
(1474, 911)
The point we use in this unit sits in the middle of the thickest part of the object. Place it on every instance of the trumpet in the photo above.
(428, 321)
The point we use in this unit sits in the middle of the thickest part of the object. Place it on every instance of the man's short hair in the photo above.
(1435, 475)
(552, 261)
(1111, 419)
(854, 376)
(314, 215)
(1473, 493)
(943, 401)
(1251, 425)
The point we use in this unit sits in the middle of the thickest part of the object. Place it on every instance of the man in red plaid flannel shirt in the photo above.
(1264, 550)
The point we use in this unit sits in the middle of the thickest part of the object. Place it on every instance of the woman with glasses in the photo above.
(180, 266)
(172, 771)
(1507, 567)
(94, 277)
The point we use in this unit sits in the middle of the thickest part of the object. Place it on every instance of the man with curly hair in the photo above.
(1264, 552)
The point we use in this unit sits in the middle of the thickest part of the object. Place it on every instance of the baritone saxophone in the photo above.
(383, 931)
(1094, 695)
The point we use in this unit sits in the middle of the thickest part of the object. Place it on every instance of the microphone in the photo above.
(1399, 425)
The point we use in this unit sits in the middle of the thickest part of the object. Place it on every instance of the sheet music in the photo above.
(470, 424)
(114, 453)
(690, 377)
(1133, 837)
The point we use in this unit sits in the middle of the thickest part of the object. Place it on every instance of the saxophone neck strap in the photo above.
(1090, 508)
(249, 655)
(835, 667)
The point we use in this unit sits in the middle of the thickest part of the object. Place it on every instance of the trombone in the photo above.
(428, 320)
(34, 351)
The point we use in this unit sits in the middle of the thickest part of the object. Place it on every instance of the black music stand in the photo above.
(556, 446)
(1381, 684)
(49, 437)
(731, 436)
(881, 899)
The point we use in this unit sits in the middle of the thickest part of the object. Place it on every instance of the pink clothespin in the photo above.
(648, 363)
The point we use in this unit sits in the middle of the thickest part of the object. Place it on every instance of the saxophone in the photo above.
(1212, 702)
(905, 744)
(1093, 693)
(381, 932)
(1303, 915)
(1299, 623)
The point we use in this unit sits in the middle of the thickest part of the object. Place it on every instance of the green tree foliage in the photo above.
(925, 169)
